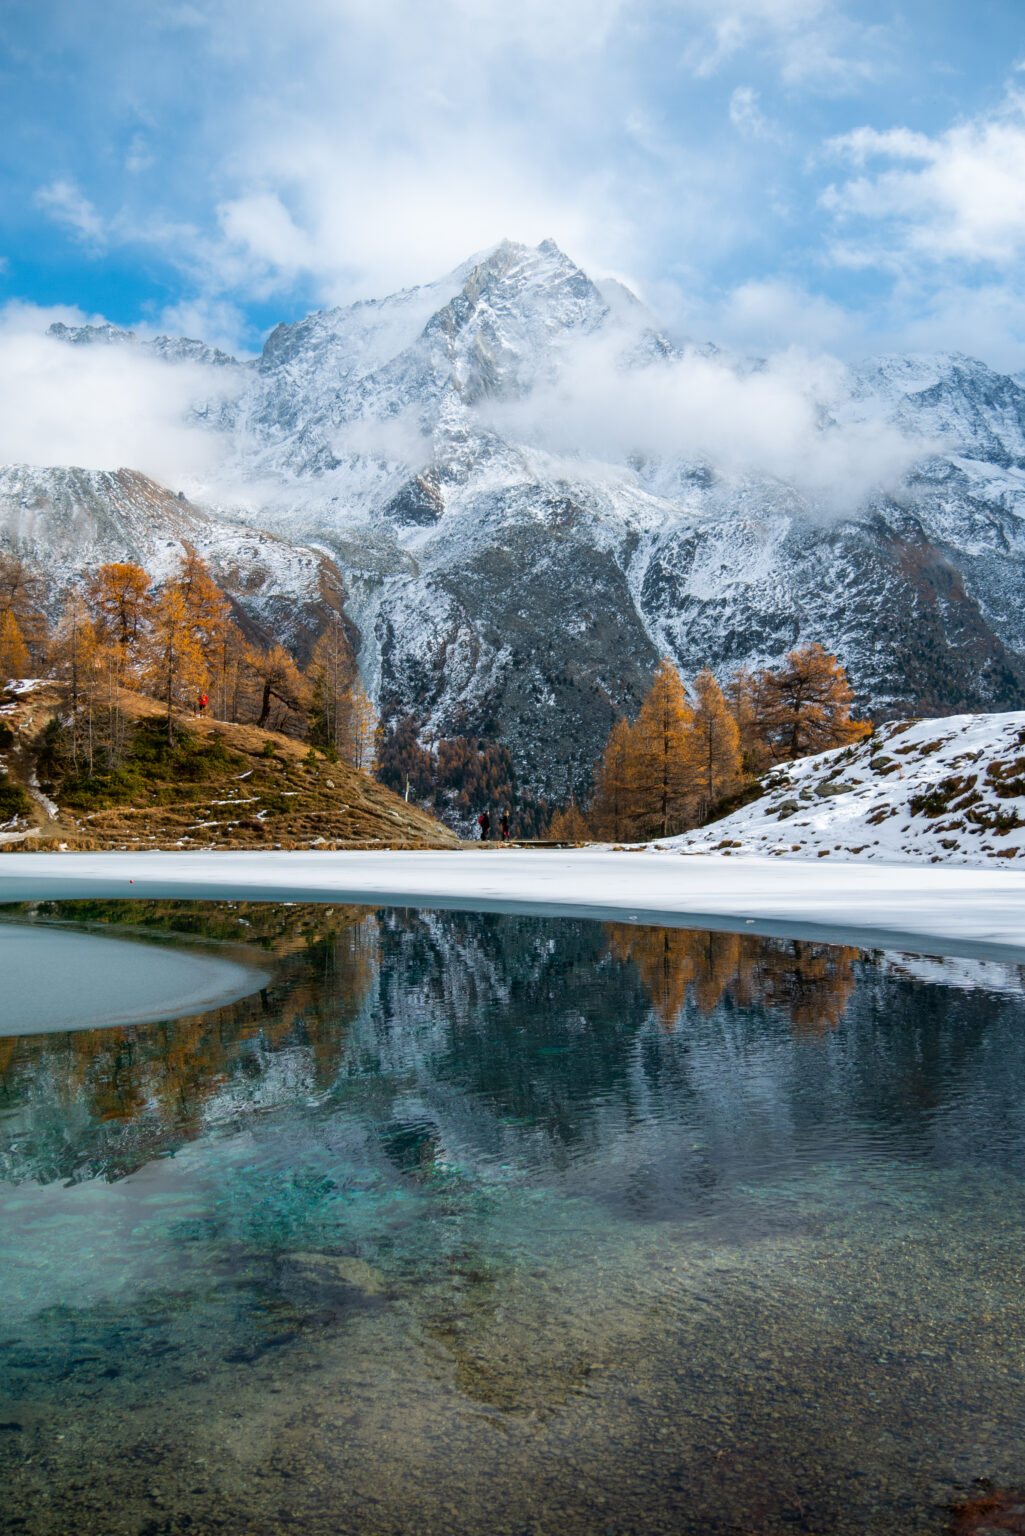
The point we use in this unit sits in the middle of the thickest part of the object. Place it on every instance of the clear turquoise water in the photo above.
(489, 1224)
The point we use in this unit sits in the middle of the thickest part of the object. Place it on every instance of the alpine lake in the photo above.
(461, 1223)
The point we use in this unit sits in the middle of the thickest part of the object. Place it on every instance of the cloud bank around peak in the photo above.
(101, 407)
(787, 419)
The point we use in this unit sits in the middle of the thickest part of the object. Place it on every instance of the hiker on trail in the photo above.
(484, 822)
(201, 703)
(505, 826)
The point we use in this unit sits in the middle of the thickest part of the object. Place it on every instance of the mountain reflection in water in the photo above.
(472, 1222)
(165, 1082)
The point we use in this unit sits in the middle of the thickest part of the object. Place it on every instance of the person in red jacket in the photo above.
(201, 703)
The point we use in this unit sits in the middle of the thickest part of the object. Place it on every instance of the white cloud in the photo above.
(68, 205)
(260, 225)
(958, 195)
(99, 407)
(361, 227)
(748, 118)
(815, 44)
(777, 420)
(769, 314)
(986, 321)
(361, 145)
(216, 321)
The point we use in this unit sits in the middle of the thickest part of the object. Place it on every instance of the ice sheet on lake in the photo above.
(55, 980)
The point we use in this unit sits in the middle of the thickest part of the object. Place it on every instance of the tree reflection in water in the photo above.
(811, 983)
(531, 1023)
(479, 1220)
(161, 1079)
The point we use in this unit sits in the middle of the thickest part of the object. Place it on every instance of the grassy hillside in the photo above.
(219, 785)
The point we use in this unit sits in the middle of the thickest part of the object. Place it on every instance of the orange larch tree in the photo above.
(611, 807)
(22, 595)
(341, 713)
(741, 695)
(661, 769)
(569, 825)
(716, 745)
(208, 610)
(804, 706)
(278, 677)
(73, 653)
(175, 667)
(14, 657)
(119, 598)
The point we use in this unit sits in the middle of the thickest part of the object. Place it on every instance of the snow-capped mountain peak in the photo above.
(512, 580)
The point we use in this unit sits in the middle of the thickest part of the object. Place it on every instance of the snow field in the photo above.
(948, 791)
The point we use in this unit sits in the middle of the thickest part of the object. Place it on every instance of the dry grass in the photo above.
(258, 789)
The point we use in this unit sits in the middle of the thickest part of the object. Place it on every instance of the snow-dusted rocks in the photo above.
(947, 791)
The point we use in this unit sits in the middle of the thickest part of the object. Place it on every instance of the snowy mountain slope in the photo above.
(950, 790)
(504, 585)
(68, 520)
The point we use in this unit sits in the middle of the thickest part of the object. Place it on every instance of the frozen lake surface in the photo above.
(952, 910)
(54, 979)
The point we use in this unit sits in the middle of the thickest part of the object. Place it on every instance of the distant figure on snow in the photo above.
(484, 822)
(505, 826)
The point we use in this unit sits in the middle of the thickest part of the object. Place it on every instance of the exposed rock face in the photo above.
(502, 586)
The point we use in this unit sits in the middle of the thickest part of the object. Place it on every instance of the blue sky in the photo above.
(841, 177)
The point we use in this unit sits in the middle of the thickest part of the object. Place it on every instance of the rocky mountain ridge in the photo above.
(515, 567)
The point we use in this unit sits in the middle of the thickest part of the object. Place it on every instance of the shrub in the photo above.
(13, 799)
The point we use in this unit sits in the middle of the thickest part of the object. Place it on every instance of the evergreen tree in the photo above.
(661, 769)
(805, 705)
(716, 742)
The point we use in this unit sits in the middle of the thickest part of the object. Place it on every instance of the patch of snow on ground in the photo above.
(948, 791)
